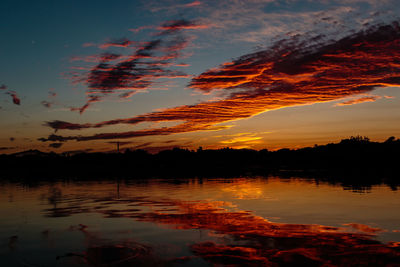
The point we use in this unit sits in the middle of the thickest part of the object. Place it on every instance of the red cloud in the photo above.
(124, 43)
(292, 72)
(195, 3)
(133, 72)
(176, 25)
(15, 97)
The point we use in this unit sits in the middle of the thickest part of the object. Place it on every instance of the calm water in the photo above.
(270, 222)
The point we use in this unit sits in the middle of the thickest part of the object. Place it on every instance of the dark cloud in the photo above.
(61, 125)
(15, 97)
(55, 145)
(54, 138)
(126, 74)
(91, 99)
(176, 25)
(291, 72)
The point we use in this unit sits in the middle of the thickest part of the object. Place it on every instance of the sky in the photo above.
(84, 75)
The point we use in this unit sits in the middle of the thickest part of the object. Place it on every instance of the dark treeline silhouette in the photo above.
(354, 160)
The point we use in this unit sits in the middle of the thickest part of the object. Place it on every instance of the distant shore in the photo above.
(352, 160)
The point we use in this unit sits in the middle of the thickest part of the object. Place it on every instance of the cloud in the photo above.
(260, 21)
(138, 29)
(182, 65)
(244, 139)
(291, 72)
(176, 25)
(389, 97)
(364, 228)
(55, 145)
(171, 6)
(359, 100)
(125, 74)
(15, 97)
(62, 125)
(122, 43)
(90, 58)
(91, 99)
(358, 62)
(193, 4)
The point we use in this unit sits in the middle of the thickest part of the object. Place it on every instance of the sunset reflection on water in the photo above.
(267, 222)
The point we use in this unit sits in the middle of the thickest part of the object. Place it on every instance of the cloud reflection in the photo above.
(245, 239)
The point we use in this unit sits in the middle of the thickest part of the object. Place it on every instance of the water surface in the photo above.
(198, 222)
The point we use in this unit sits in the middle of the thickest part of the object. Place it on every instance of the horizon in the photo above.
(156, 150)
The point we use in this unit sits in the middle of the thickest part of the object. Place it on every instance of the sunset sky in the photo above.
(83, 75)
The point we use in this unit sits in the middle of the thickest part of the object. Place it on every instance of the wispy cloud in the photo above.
(359, 100)
(176, 25)
(172, 6)
(138, 29)
(193, 4)
(125, 74)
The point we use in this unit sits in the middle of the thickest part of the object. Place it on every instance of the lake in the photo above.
(199, 222)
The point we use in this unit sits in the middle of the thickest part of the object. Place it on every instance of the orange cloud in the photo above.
(359, 100)
(364, 228)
